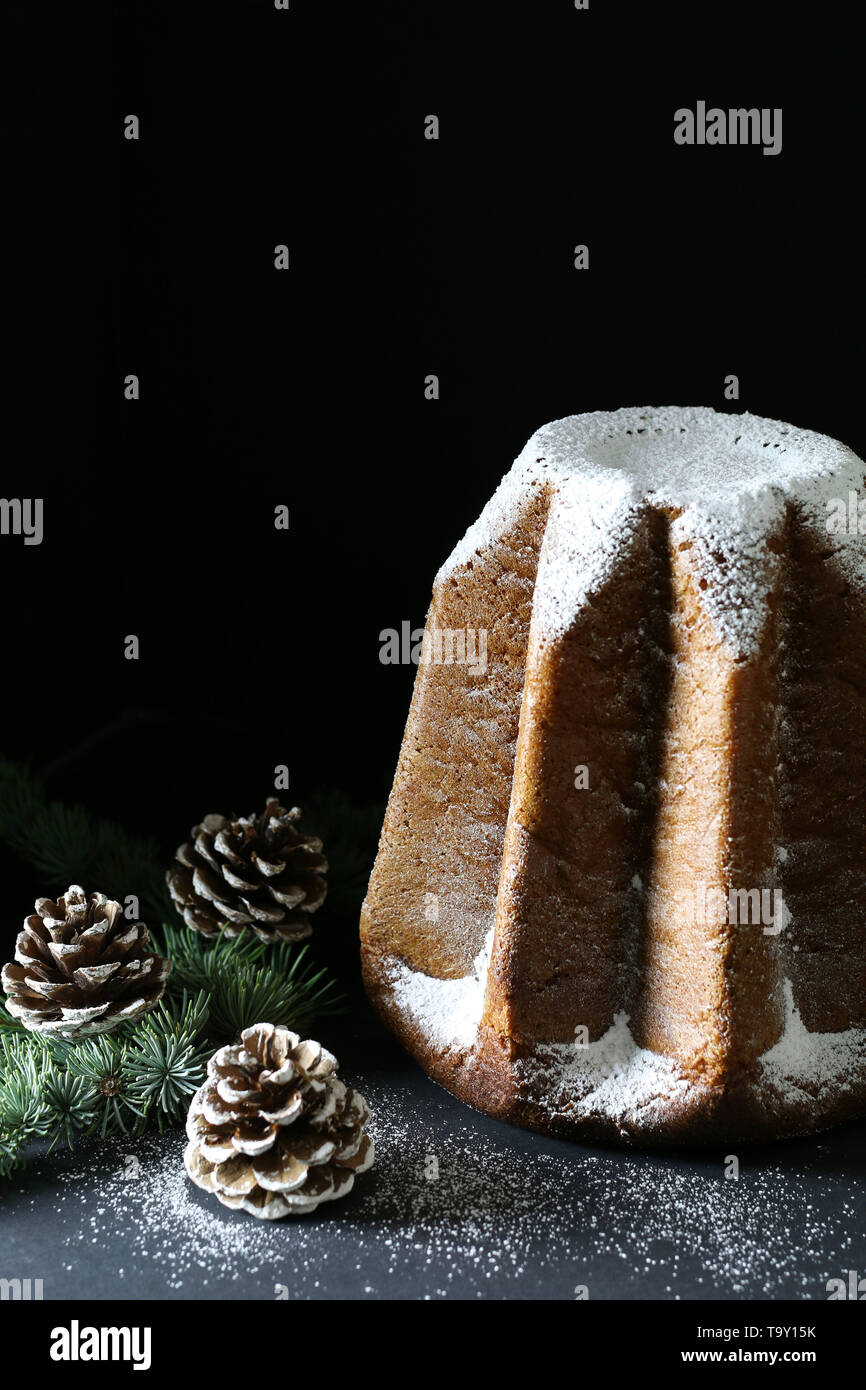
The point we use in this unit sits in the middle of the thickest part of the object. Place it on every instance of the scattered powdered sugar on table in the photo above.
(457, 1206)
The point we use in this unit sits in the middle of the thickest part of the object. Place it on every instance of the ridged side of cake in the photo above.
(674, 700)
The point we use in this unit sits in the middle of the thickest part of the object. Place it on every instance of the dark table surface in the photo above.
(456, 1206)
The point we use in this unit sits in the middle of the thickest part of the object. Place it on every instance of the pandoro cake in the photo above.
(621, 885)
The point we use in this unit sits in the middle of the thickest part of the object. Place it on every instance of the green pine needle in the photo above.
(166, 1060)
(24, 1115)
(71, 1105)
(145, 1073)
(101, 1062)
(350, 835)
(66, 845)
(248, 981)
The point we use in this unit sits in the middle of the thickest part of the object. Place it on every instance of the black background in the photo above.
(408, 257)
(306, 387)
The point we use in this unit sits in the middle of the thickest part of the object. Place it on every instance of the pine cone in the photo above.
(273, 1129)
(82, 968)
(250, 874)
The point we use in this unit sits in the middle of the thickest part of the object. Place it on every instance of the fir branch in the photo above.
(145, 1073)
(166, 1060)
(24, 1114)
(247, 981)
(12, 1146)
(71, 1102)
(68, 845)
(350, 835)
(21, 799)
(101, 1062)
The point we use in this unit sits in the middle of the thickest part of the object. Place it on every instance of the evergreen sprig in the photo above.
(246, 980)
(71, 1104)
(144, 1074)
(166, 1060)
(24, 1115)
(103, 1064)
(350, 834)
(68, 845)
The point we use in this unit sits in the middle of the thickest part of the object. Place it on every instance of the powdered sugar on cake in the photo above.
(807, 1062)
(727, 481)
(614, 1077)
(448, 1010)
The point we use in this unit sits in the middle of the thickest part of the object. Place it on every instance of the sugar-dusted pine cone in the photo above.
(273, 1129)
(250, 874)
(81, 967)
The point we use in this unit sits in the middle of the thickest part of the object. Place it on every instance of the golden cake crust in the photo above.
(536, 944)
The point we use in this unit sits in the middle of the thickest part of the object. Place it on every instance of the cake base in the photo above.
(612, 1090)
